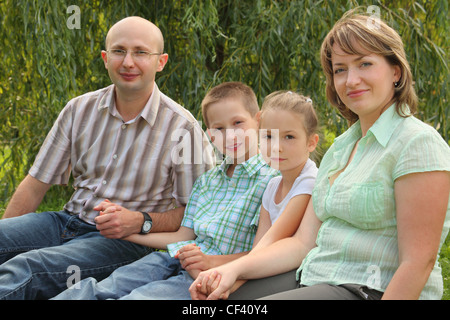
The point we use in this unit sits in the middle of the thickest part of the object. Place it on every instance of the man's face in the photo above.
(133, 75)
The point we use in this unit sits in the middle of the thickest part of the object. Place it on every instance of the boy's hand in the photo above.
(192, 258)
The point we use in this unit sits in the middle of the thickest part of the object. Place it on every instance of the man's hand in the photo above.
(116, 222)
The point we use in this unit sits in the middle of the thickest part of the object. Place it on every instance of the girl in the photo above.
(288, 125)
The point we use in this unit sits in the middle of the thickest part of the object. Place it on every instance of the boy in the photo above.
(220, 217)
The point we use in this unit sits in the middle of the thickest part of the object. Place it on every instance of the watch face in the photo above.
(146, 227)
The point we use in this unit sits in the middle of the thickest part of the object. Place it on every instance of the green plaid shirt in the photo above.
(224, 211)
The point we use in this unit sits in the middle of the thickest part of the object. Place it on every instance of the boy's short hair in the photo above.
(226, 90)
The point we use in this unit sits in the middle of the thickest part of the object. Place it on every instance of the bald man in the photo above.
(121, 144)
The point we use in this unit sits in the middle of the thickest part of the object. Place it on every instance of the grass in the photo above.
(52, 202)
(445, 265)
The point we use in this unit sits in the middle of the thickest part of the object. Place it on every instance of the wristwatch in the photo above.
(148, 222)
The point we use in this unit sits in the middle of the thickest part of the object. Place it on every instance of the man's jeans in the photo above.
(156, 276)
(41, 254)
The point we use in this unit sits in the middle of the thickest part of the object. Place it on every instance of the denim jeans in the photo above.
(156, 276)
(41, 254)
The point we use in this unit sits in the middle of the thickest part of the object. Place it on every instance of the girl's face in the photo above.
(284, 143)
(364, 83)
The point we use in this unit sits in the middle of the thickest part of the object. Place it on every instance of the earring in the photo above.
(396, 84)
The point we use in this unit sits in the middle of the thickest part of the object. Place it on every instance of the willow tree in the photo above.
(51, 53)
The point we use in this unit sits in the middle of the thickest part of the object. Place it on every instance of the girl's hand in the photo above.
(213, 284)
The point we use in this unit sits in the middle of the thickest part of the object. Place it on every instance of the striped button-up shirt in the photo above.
(358, 240)
(224, 211)
(147, 164)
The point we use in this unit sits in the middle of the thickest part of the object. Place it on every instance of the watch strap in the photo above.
(146, 218)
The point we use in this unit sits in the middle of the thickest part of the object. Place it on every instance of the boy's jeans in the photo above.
(156, 276)
(41, 254)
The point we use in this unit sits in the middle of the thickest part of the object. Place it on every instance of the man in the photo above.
(119, 144)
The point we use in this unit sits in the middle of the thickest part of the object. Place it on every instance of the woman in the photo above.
(380, 208)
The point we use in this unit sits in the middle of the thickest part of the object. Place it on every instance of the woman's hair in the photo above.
(354, 31)
(291, 101)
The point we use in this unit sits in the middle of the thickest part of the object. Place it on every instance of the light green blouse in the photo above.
(357, 242)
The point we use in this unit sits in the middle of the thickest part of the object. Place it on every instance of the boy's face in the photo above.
(233, 130)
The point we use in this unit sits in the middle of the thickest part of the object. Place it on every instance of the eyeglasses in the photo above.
(138, 55)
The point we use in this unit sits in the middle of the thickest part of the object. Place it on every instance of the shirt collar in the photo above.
(107, 101)
(149, 113)
(385, 125)
(382, 129)
(252, 165)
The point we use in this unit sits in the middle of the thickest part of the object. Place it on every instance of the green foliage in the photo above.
(267, 44)
(444, 261)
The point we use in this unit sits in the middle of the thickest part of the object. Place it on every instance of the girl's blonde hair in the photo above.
(354, 31)
(291, 101)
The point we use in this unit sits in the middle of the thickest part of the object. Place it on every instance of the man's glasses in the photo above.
(138, 55)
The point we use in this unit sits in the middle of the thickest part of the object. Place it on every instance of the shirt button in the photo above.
(115, 156)
(124, 126)
(104, 182)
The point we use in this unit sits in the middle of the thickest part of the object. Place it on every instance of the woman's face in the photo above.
(365, 82)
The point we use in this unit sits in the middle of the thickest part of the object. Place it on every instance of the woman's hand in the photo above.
(213, 284)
